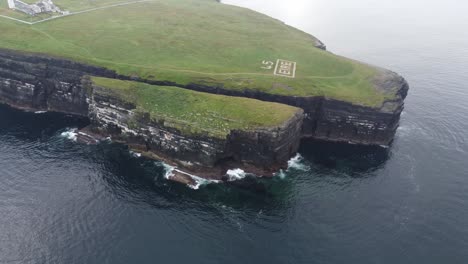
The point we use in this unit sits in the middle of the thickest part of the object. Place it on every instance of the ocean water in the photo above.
(64, 202)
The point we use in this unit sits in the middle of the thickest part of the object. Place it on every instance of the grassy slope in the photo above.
(197, 41)
(195, 112)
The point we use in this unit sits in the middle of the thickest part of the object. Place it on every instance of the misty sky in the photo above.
(323, 11)
(336, 20)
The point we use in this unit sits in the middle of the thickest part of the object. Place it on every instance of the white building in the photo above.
(42, 6)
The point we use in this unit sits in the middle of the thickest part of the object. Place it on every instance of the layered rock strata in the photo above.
(42, 83)
(45, 83)
(266, 149)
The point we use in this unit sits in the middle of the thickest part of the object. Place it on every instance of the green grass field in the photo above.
(196, 41)
(197, 113)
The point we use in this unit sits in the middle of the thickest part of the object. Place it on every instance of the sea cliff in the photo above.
(261, 149)
(41, 83)
(45, 83)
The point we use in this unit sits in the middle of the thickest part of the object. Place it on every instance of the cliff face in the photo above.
(333, 120)
(39, 82)
(268, 149)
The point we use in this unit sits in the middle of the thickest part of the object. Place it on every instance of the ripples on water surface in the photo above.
(62, 202)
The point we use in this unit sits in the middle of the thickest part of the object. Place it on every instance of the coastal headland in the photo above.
(199, 84)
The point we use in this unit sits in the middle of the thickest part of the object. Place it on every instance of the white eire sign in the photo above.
(285, 68)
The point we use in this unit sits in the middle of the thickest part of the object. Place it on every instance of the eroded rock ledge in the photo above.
(43, 83)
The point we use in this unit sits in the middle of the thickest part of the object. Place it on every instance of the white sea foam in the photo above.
(168, 170)
(198, 180)
(40, 112)
(281, 174)
(236, 174)
(297, 163)
(70, 134)
(135, 154)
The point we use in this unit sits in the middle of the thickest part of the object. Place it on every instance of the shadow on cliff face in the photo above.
(353, 160)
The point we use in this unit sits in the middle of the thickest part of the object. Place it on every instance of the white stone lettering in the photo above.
(285, 68)
(268, 65)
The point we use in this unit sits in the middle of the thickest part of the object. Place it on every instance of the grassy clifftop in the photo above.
(195, 112)
(197, 41)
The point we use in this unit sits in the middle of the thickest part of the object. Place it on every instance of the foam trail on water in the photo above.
(70, 134)
(40, 112)
(169, 172)
(236, 174)
(198, 180)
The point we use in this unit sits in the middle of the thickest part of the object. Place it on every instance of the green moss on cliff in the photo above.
(195, 112)
(198, 41)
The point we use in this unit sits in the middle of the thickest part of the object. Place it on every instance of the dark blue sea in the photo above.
(65, 202)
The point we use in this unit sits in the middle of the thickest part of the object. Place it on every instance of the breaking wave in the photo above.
(135, 154)
(168, 169)
(297, 163)
(236, 174)
(70, 134)
(169, 172)
(198, 180)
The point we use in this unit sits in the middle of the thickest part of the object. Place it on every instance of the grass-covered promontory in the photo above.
(197, 41)
(194, 112)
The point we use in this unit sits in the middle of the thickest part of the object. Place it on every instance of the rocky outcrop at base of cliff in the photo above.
(39, 82)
